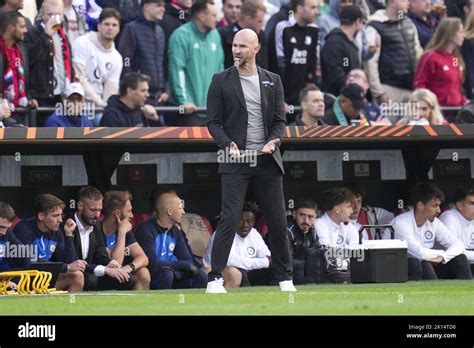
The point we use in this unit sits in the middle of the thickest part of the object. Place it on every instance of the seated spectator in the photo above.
(421, 229)
(347, 108)
(129, 109)
(52, 242)
(74, 21)
(8, 239)
(339, 55)
(231, 10)
(14, 64)
(121, 244)
(441, 67)
(466, 114)
(97, 63)
(100, 272)
(71, 112)
(425, 22)
(142, 46)
(50, 57)
(170, 260)
(461, 221)
(303, 240)
(425, 109)
(371, 111)
(468, 55)
(249, 259)
(312, 108)
(251, 16)
(5, 112)
(368, 215)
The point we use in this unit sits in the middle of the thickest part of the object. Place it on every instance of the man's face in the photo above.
(246, 223)
(348, 108)
(19, 30)
(185, 3)
(140, 94)
(154, 11)
(4, 226)
(310, 11)
(52, 219)
(304, 218)
(255, 23)
(430, 210)
(52, 10)
(356, 206)
(231, 10)
(177, 209)
(74, 105)
(314, 104)
(89, 211)
(15, 4)
(420, 7)
(126, 212)
(465, 207)
(210, 17)
(343, 211)
(359, 78)
(109, 28)
(243, 51)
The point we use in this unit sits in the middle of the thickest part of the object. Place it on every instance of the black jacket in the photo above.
(117, 114)
(26, 68)
(299, 241)
(172, 19)
(228, 117)
(338, 56)
(227, 37)
(41, 59)
(97, 253)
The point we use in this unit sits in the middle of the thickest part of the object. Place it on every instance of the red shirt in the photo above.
(440, 72)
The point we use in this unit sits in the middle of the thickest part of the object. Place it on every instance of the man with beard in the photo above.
(245, 106)
(100, 273)
(52, 241)
(421, 229)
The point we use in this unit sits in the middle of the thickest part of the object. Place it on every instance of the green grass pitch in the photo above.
(412, 298)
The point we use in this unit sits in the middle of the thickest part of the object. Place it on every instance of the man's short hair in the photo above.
(305, 203)
(199, 6)
(296, 3)
(251, 207)
(46, 203)
(356, 189)
(90, 193)
(109, 12)
(115, 200)
(461, 193)
(157, 192)
(7, 212)
(131, 80)
(425, 192)
(335, 196)
(305, 91)
(250, 8)
(8, 18)
(144, 2)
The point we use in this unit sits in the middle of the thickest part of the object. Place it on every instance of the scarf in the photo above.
(341, 118)
(13, 82)
(66, 53)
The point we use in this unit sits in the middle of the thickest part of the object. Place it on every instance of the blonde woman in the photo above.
(424, 109)
(468, 54)
(441, 68)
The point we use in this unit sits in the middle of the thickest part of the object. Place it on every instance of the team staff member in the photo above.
(245, 105)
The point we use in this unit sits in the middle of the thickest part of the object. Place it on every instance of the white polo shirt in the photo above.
(463, 228)
(421, 240)
(334, 235)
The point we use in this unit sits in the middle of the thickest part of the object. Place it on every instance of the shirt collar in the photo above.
(80, 227)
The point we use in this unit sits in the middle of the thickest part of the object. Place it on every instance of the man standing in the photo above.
(245, 107)
(194, 54)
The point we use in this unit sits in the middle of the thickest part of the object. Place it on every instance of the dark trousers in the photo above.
(94, 283)
(167, 278)
(456, 268)
(256, 277)
(268, 181)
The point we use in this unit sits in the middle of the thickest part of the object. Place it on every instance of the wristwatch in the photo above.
(132, 266)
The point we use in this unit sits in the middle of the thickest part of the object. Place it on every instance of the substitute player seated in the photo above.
(121, 244)
(249, 259)
(52, 241)
(8, 241)
(421, 229)
(461, 220)
(170, 260)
